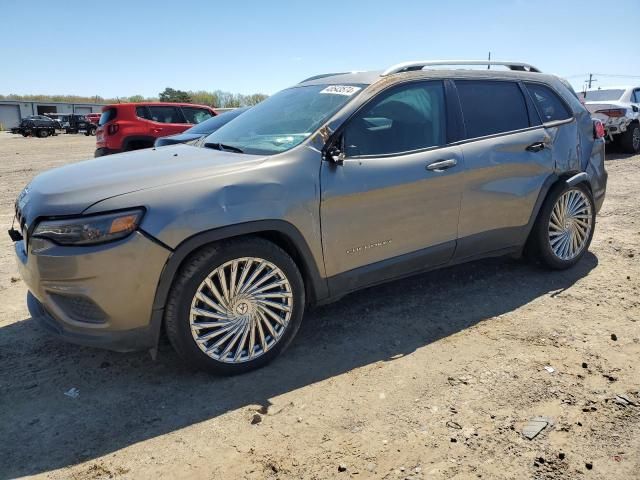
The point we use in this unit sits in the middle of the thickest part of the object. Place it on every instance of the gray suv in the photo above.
(340, 182)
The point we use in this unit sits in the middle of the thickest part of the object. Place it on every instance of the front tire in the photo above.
(43, 133)
(235, 306)
(564, 228)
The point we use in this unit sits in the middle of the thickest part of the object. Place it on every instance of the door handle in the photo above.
(442, 165)
(536, 147)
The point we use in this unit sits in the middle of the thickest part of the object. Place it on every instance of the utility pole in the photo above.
(489, 65)
(591, 79)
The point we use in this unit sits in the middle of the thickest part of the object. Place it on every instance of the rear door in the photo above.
(168, 120)
(508, 156)
(391, 207)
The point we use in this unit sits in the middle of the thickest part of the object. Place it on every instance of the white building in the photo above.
(12, 111)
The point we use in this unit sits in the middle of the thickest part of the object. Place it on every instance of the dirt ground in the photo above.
(432, 377)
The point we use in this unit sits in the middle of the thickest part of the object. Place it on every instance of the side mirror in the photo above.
(335, 154)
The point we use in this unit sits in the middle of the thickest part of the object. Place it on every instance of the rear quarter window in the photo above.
(107, 116)
(549, 105)
(143, 112)
(491, 107)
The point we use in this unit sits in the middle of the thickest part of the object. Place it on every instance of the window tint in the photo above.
(549, 105)
(491, 107)
(407, 118)
(142, 112)
(600, 95)
(108, 115)
(165, 114)
(636, 96)
(196, 115)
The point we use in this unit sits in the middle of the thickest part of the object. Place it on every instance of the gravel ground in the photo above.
(432, 377)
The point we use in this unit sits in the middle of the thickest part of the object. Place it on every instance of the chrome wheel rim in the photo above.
(241, 310)
(570, 224)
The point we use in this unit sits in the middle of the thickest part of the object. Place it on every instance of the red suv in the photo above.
(93, 117)
(132, 126)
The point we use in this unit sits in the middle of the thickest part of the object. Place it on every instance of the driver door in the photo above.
(391, 208)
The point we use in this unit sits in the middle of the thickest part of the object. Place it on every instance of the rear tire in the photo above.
(564, 227)
(259, 310)
(630, 140)
(43, 133)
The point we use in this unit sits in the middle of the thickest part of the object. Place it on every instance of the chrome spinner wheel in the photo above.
(570, 224)
(241, 310)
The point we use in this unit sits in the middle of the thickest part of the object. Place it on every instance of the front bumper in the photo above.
(99, 295)
(125, 341)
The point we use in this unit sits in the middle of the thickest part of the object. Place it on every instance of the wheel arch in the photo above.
(547, 186)
(279, 232)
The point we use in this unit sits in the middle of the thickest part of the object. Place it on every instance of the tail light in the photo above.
(598, 129)
(613, 112)
(113, 129)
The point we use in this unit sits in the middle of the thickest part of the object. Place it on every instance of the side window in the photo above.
(636, 96)
(142, 112)
(163, 114)
(549, 105)
(491, 107)
(196, 115)
(410, 117)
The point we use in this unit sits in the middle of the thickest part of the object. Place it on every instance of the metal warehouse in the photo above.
(12, 111)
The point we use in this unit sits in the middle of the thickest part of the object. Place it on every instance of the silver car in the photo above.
(340, 182)
(618, 108)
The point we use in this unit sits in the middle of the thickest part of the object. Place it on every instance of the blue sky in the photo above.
(121, 48)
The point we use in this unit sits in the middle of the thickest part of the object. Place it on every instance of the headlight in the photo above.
(89, 230)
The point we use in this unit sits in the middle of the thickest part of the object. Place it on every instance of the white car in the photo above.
(619, 110)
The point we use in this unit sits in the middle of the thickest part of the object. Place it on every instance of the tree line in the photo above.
(216, 98)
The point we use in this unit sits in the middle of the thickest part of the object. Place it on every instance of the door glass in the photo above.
(491, 107)
(196, 115)
(407, 118)
(549, 105)
(164, 114)
(142, 112)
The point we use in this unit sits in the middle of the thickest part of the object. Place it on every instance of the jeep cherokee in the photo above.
(340, 182)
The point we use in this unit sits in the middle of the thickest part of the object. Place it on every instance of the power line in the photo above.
(601, 75)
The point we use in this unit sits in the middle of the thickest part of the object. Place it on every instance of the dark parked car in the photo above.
(37, 125)
(202, 129)
(337, 183)
(80, 123)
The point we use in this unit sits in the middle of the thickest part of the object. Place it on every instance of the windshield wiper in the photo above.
(223, 147)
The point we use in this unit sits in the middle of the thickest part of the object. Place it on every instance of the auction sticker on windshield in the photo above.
(347, 90)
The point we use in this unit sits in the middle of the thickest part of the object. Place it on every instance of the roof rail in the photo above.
(419, 65)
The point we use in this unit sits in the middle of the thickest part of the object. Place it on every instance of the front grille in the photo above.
(79, 308)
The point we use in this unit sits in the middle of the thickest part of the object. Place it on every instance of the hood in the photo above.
(604, 105)
(71, 189)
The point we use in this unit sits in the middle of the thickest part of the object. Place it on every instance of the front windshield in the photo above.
(283, 120)
(598, 95)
